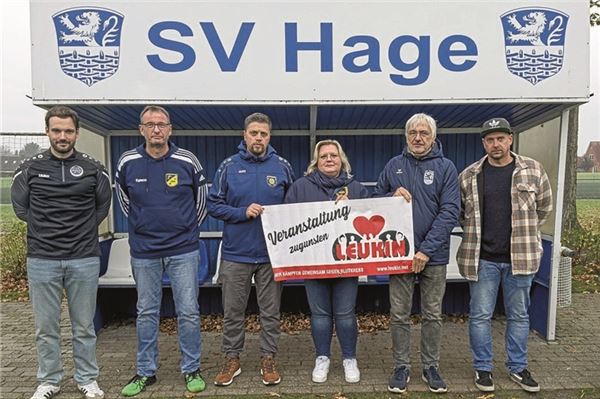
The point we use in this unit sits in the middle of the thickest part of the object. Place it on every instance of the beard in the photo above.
(60, 148)
(257, 149)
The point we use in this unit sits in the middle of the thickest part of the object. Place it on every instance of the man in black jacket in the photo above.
(63, 195)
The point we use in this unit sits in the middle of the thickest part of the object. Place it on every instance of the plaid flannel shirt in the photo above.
(531, 199)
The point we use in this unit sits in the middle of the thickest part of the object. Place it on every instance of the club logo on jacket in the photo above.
(272, 181)
(342, 191)
(76, 171)
(428, 177)
(172, 179)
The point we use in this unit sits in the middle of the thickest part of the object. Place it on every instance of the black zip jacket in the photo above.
(63, 201)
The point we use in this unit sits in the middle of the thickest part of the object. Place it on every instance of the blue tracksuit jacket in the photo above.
(241, 180)
(433, 183)
(164, 201)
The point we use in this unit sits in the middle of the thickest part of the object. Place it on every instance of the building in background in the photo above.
(590, 161)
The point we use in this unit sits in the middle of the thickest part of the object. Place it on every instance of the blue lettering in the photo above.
(371, 52)
(293, 46)
(445, 52)
(228, 63)
(187, 53)
(421, 64)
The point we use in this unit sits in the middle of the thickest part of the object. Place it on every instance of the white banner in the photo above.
(351, 238)
(309, 51)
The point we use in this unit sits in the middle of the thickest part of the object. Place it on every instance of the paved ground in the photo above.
(572, 361)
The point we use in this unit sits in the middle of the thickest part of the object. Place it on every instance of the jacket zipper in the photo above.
(414, 182)
(62, 163)
(256, 171)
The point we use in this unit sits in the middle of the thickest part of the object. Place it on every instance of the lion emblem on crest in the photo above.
(88, 42)
(534, 39)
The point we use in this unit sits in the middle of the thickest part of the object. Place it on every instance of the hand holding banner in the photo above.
(344, 239)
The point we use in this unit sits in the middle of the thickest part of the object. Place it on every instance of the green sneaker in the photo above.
(194, 381)
(137, 384)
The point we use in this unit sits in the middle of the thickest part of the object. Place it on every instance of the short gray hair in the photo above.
(418, 118)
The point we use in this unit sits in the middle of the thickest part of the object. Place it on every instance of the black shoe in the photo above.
(399, 379)
(484, 381)
(434, 380)
(525, 380)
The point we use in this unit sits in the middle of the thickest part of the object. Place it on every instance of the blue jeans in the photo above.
(515, 290)
(333, 300)
(183, 273)
(79, 279)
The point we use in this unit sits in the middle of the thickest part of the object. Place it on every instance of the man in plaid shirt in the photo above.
(505, 199)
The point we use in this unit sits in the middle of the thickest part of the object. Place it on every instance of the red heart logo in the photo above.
(366, 227)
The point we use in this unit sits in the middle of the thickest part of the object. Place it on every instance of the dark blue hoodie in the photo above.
(318, 187)
(433, 183)
(241, 180)
(164, 200)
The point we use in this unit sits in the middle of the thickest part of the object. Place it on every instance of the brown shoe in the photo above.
(269, 373)
(231, 369)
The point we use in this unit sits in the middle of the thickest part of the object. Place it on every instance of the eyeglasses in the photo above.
(424, 134)
(152, 125)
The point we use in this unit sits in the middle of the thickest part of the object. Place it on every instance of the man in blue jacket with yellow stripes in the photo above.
(243, 184)
(162, 191)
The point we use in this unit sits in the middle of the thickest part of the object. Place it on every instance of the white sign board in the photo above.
(309, 51)
(351, 238)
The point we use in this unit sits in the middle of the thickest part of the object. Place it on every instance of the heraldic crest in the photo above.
(89, 40)
(534, 40)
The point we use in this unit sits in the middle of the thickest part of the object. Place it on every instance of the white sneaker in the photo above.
(91, 390)
(45, 391)
(321, 369)
(351, 371)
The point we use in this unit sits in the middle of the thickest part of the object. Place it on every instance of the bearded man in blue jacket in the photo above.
(423, 176)
(243, 184)
(162, 190)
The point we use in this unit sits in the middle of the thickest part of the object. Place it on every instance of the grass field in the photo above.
(586, 264)
(588, 185)
(7, 215)
(6, 212)
(588, 176)
(5, 181)
(5, 189)
(588, 208)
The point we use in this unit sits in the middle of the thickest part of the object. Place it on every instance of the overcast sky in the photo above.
(18, 114)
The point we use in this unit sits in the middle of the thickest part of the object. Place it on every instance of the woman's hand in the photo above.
(342, 197)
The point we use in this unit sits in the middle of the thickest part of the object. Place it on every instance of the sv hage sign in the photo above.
(410, 56)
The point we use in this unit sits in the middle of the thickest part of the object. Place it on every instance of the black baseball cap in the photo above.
(495, 125)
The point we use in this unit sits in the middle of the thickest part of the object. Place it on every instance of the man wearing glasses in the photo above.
(162, 191)
(423, 176)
